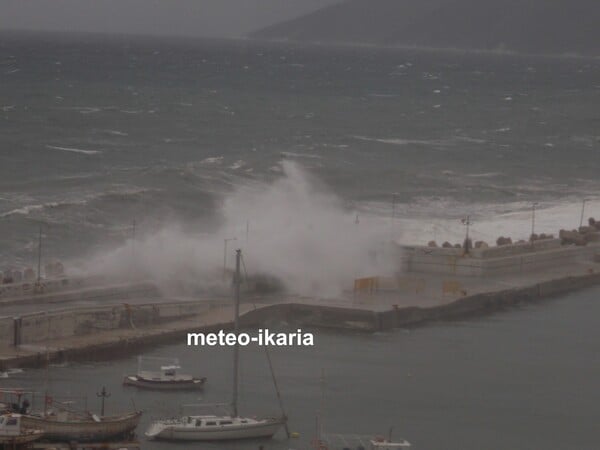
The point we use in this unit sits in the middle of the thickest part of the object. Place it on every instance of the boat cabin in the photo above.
(214, 421)
(166, 374)
(384, 444)
(169, 371)
(10, 425)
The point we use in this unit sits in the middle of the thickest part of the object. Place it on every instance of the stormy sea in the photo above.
(308, 156)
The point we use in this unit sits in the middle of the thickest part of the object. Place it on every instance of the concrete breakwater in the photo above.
(119, 329)
(76, 290)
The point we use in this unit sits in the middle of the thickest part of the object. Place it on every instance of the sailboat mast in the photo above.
(39, 261)
(236, 349)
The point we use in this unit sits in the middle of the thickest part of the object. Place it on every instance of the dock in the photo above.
(87, 446)
(435, 284)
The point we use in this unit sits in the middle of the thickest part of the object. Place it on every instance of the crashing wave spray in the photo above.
(293, 229)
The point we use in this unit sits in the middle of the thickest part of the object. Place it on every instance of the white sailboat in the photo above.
(226, 427)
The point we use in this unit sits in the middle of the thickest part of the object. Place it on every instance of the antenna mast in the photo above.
(236, 348)
(39, 268)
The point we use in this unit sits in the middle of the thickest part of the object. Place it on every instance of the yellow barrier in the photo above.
(366, 285)
(452, 287)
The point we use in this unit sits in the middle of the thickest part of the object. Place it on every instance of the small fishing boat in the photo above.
(59, 422)
(12, 431)
(353, 441)
(224, 427)
(328, 441)
(167, 378)
(381, 443)
(81, 427)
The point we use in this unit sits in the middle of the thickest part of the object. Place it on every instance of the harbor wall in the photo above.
(130, 329)
(15, 294)
(46, 326)
(503, 260)
(6, 329)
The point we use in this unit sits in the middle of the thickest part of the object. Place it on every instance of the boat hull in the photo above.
(24, 438)
(84, 430)
(187, 385)
(178, 433)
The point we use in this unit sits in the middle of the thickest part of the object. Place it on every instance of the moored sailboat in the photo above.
(225, 427)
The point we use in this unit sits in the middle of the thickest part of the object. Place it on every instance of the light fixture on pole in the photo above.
(225, 241)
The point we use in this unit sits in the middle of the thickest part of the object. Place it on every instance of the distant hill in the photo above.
(527, 26)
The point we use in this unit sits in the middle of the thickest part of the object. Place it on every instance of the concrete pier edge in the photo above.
(311, 315)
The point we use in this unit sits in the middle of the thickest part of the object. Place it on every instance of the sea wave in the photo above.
(439, 219)
(300, 155)
(447, 142)
(28, 209)
(74, 150)
(402, 141)
(111, 195)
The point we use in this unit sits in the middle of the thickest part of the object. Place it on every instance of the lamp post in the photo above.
(467, 223)
(582, 212)
(225, 241)
(533, 220)
(394, 196)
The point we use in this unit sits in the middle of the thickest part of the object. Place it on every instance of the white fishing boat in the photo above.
(166, 378)
(353, 441)
(327, 441)
(381, 443)
(13, 432)
(225, 427)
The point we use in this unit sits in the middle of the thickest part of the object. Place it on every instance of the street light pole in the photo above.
(225, 241)
(394, 195)
(467, 222)
(532, 220)
(582, 211)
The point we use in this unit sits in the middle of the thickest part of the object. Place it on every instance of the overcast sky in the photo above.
(165, 17)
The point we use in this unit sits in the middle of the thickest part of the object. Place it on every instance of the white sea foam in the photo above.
(74, 150)
(484, 175)
(25, 210)
(237, 165)
(299, 155)
(212, 160)
(440, 220)
(400, 141)
(116, 133)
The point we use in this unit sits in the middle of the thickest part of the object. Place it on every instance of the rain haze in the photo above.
(415, 183)
(214, 18)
